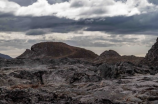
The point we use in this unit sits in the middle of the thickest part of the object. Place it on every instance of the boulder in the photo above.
(116, 71)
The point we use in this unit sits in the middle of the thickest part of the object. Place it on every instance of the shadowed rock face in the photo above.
(151, 57)
(56, 50)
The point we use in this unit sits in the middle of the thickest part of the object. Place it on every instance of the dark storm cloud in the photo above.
(30, 2)
(9, 22)
(56, 1)
(77, 4)
(24, 2)
(138, 24)
(153, 1)
(49, 22)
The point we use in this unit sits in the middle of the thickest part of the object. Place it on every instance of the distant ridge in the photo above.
(56, 50)
(3, 56)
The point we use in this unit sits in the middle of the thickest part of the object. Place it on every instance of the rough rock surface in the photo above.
(72, 81)
(151, 57)
(56, 50)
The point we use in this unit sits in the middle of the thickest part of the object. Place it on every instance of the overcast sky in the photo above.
(128, 26)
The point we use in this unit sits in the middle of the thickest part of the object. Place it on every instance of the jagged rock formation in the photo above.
(2, 56)
(56, 50)
(112, 57)
(151, 57)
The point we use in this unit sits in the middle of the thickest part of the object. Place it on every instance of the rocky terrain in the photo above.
(39, 77)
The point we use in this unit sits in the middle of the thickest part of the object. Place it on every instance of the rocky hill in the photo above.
(56, 50)
(112, 57)
(151, 57)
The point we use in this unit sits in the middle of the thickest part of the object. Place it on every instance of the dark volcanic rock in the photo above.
(116, 71)
(83, 77)
(56, 50)
(123, 69)
(73, 81)
(18, 96)
(151, 57)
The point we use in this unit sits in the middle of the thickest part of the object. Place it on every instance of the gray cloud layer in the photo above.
(138, 24)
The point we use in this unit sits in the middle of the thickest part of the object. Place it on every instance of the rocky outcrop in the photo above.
(56, 50)
(112, 57)
(151, 57)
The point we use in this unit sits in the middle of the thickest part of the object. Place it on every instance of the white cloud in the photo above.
(8, 7)
(77, 9)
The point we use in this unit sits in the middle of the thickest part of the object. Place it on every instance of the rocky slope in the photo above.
(151, 57)
(56, 50)
(112, 57)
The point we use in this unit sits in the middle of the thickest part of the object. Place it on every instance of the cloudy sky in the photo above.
(128, 26)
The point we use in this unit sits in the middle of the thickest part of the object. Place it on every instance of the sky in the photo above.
(129, 27)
